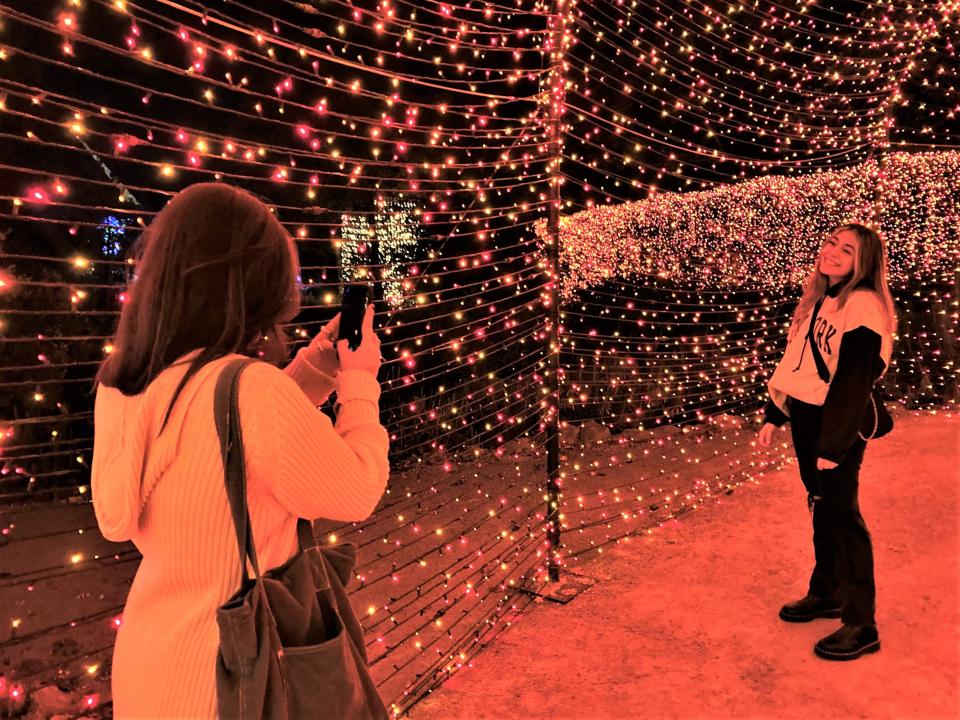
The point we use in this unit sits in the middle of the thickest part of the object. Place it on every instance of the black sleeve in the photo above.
(774, 415)
(858, 366)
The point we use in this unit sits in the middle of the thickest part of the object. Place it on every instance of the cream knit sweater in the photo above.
(165, 492)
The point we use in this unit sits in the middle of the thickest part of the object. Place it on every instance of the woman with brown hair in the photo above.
(839, 344)
(216, 278)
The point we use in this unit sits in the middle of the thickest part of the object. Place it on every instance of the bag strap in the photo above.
(818, 360)
(227, 415)
(876, 417)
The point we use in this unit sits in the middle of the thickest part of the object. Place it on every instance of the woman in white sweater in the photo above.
(216, 277)
(838, 346)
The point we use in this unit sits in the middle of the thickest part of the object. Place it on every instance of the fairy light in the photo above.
(688, 238)
(419, 140)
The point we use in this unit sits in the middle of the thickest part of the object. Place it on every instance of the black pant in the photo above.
(841, 542)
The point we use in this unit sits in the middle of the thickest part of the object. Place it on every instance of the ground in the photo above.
(680, 623)
(683, 623)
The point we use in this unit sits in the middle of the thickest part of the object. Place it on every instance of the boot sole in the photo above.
(807, 618)
(828, 655)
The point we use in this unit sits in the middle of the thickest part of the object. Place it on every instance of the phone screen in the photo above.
(352, 307)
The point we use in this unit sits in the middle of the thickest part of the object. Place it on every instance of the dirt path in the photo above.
(683, 624)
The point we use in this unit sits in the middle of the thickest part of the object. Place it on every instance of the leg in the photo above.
(805, 428)
(855, 552)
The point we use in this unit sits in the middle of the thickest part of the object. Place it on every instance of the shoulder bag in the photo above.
(290, 644)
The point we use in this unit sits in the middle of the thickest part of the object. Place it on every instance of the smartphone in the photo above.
(352, 307)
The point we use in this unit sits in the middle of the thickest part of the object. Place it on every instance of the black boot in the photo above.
(810, 608)
(849, 642)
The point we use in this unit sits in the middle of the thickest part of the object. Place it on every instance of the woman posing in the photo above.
(839, 344)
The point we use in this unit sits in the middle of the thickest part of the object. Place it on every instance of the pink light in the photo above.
(37, 195)
(67, 21)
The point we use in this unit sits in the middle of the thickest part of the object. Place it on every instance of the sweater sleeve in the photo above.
(774, 415)
(312, 467)
(858, 366)
(316, 384)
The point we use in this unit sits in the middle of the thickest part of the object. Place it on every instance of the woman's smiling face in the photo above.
(839, 255)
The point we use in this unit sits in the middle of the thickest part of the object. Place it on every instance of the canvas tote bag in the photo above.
(290, 644)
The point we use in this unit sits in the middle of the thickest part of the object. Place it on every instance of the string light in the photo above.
(408, 144)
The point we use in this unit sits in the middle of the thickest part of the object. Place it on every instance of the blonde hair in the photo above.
(869, 268)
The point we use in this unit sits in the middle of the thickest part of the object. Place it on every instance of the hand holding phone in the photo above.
(367, 356)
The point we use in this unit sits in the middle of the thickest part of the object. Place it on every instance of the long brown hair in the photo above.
(869, 270)
(215, 271)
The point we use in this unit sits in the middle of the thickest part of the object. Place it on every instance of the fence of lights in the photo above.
(409, 144)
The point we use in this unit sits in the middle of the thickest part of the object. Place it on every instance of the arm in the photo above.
(858, 366)
(312, 467)
(774, 415)
(305, 370)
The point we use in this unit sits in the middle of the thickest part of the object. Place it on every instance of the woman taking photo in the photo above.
(216, 277)
(839, 344)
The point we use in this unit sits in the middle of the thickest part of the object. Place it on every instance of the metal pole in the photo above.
(556, 102)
